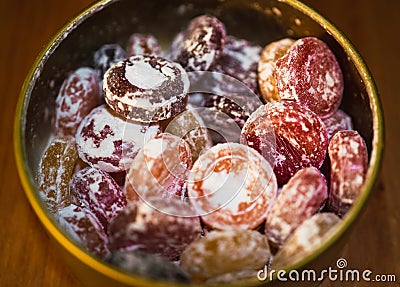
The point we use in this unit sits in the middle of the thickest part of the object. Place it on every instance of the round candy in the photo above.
(200, 45)
(146, 88)
(106, 56)
(310, 74)
(339, 121)
(109, 142)
(142, 44)
(239, 59)
(222, 252)
(83, 226)
(148, 265)
(160, 169)
(232, 187)
(349, 164)
(288, 135)
(266, 68)
(78, 95)
(303, 196)
(54, 172)
(98, 191)
(165, 230)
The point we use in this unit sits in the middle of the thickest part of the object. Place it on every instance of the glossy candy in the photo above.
(98, 191)
(231, 186)
(303, 196)
(349, 164)
(310, 74)
(83, 226)
(199, 46)
(311, 234)
(165, 230)
(267, 65)
(78, 95)
(222, 252)
(288, 135)
(149, 266)
(54, 173)
(146, 88)
(143, 44)
(160, 169)
(109, 142)
(106, 56)
(339, 121)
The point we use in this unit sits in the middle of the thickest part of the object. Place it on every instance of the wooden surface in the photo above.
(27, 258)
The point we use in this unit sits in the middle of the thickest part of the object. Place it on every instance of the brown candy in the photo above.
(304, 195)
(349, 164)
(54, 173)
(143, 44)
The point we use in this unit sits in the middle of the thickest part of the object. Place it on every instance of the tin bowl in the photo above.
(259, 21)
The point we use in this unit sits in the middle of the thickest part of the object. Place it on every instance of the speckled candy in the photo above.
(98, 191)
(304, 195)
(83, 226)
(339, 121)
(160, 169)
(108, 142)
(158, 231)
(146, 88)
(143, 44)
(106, 56)
(149, 266)
(349, 164)
(200, 45)
(232, 187)
(222, 252)
(310, 235)
(54, 172)
(267, 65)
(288, 135)
(78, 95)
(310, 74)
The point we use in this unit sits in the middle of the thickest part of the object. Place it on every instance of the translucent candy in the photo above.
(339, 121)
(54, 173)
(222, 252)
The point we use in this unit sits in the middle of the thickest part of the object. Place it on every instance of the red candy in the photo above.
(98, 191)
(349, 164)
(288, 135)
(310, 74)
(109, 142)
(141, 44)
(78, 95)
(339, 121)
(200, 45)
(231, 186)
(300, 198)
(165, 230)
(84, 227)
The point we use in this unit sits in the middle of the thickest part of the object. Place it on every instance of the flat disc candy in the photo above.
(54, 173)
(288, 135)
(164, 231)
(146, 88)
(109, 142)
(231, 186)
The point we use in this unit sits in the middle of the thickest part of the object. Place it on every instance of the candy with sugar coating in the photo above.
(54, 173)
(143, 44)
(222, 252)
(349, 164)
(109, 142)
(303, 196)
(162, 226)
(146, 88)
(339, 121)
(310, 74)
(232, 187)
(106, 56)
(78, 95)
(97, 191)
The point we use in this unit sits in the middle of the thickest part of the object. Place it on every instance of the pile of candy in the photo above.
(142, 181)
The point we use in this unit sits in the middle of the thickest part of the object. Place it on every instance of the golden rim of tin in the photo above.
(129, 279)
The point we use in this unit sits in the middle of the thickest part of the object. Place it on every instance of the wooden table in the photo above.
(27, 258)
